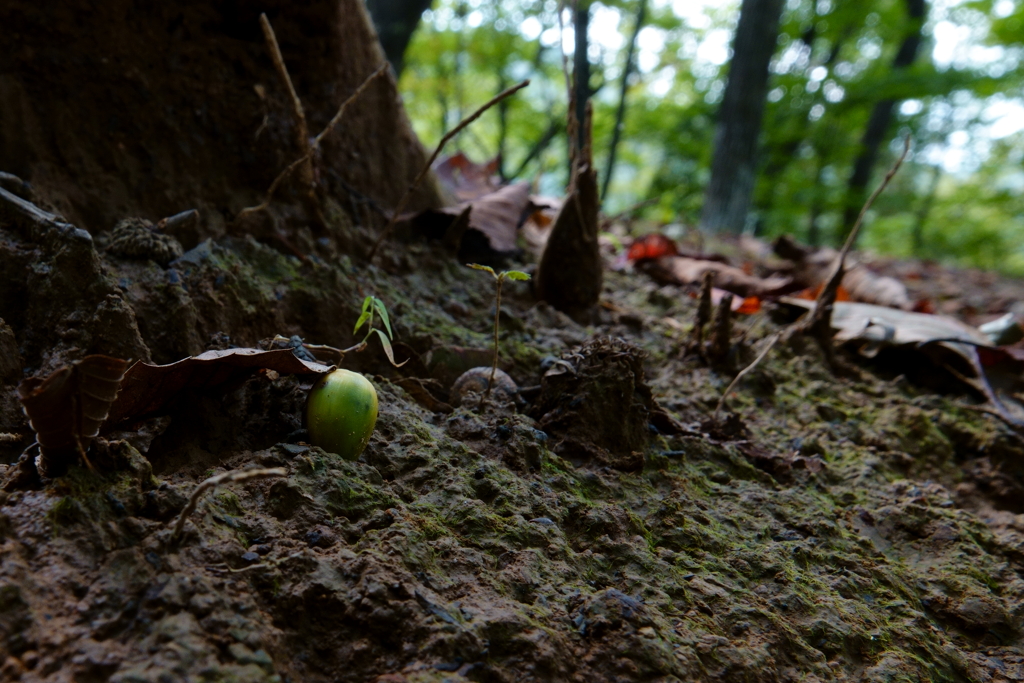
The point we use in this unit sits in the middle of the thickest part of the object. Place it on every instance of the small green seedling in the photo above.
(373, 306)
(498, 278)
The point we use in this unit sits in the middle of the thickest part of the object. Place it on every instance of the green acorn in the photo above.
(341, 413)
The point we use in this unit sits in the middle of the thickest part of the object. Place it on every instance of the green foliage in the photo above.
(833, 64)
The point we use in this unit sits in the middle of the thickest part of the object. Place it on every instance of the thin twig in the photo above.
(820, 320)
(281, 177)
(819, 324)
(827, 295)
(313, 147)
(212, 482)
(381, 70)
(430, 162)
(743, 373)
(301, 129)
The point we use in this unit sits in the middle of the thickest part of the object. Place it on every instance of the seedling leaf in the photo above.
(388, 350)
(383, 310)
(367, 304)
(516, 275)
(362, 319)
(477, 266)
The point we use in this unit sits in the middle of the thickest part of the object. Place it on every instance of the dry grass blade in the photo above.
(430, 162)
(226, 478)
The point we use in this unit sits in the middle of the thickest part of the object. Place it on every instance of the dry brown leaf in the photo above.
(148, 388)
(814, 266)
(683, 270)
(466, 180)
(496, 216)
(67, 408)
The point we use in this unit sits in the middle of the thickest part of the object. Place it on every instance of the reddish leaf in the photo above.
(748, 306)
(650, 247)
(811, 294)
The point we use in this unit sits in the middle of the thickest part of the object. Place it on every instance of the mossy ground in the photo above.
(858, 529)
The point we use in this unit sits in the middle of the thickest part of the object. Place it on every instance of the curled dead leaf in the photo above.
(683, 270)
(67, 408)
(814, 266)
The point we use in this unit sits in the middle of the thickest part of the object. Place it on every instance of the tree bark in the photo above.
(922, 215)
(733, 168)
(395, 21)
(620, 114)
(581, 68)
(881, 117)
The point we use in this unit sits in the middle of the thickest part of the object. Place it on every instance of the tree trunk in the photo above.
(733, 168)
(185, 127)
(922, 215)
(581, 68)
(620, 115)
(395, 21)
(878, 124)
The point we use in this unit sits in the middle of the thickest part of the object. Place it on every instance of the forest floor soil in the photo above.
(858, 528)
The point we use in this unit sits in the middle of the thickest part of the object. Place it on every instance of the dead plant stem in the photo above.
(430, 162)
(497, 315)
(225, 478)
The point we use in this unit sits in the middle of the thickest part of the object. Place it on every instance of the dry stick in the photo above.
(722, 331)
(225, 478)
(703, 313)
(301, 129)
(819, 324)
(430, 162)
(314, 146)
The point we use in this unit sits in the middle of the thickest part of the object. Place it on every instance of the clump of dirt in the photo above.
(595, 402)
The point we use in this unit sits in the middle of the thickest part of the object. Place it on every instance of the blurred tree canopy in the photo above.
(957, 94)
